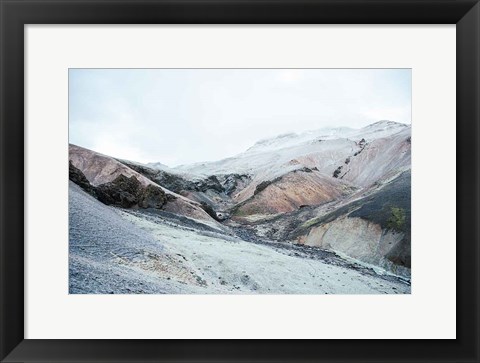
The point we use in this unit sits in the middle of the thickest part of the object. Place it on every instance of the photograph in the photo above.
(239, 181)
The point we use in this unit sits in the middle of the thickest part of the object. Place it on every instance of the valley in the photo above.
(322, 212)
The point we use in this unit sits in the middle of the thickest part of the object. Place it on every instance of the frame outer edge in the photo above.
(3, 328)
(468, 182)
(11, 179)
(11, 108)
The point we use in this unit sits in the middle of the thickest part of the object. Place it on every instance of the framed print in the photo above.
(239, 181)
(226, 219)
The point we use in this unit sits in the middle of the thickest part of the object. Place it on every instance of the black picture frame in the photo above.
(16, 13)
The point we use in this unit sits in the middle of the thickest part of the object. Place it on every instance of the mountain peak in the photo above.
(385, 123)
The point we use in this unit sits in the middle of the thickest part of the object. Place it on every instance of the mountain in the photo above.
(118, 184)
(373, 227)
(342, 190)
(323, 148)
(293, 179)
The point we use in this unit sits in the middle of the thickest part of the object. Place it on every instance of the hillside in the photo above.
(338, 194)
(115, 251)
(126, 188)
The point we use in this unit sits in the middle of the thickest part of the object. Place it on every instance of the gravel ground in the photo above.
(127, 252)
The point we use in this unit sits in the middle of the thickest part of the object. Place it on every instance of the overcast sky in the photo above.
(178, 116)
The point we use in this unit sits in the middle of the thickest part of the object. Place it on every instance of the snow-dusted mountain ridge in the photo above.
(342, 190)
(323, 148)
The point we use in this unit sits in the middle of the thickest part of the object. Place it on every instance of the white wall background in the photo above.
(429, 312)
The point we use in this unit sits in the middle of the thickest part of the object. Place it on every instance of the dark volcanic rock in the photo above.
(211, 212)
(178, 184)
(79, 178)
(231, 182)
(395, 195)
(305, 170)
(170, 181)
(265, 184)
(337, 171)
(210, 183)
(128, 192)
(152, 197)
(362, 144)
(123, 192)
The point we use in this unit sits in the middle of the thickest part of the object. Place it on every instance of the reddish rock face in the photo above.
(117, 184)
(101, 169)
(294, 190)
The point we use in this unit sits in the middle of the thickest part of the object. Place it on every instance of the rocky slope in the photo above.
(114, 183)
(289, 192)
(128, 251)
(374, 228)
(341, 190)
